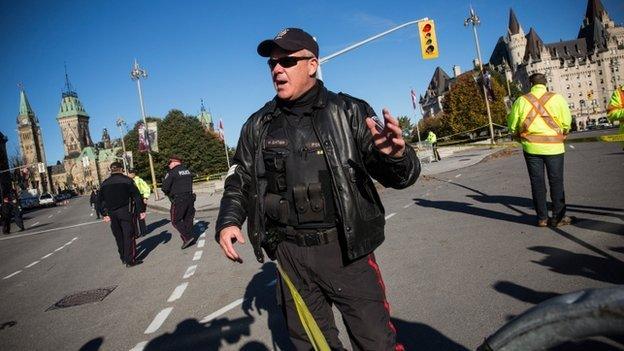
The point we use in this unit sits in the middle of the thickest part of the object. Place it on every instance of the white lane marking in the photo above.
(198, 255)
(390, 216)
(91, 214)
(272, 283)
(223, 310)
(189, 271)
(12, 274)
(46, 256)
(140, 346)
(177, 292)
(158, 320)
(50, 230)
(59, 248)
(408, 205)
(69, 242)
(32, 264)
(195, 221)
(59, 211)
(571, 146)
(203, 235)
(201, 243)
(457, 176)
(75, 238)
(34, 224)
(50, 216)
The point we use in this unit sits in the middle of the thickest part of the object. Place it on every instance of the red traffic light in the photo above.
(426, 28)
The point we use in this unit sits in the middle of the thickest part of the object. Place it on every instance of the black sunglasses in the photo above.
(287, 61)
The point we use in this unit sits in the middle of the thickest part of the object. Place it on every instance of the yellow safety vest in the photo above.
(615, 111)
(540, 120)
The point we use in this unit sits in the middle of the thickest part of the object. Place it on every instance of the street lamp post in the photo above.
(136, 74)
(474, 20)
(120, 122)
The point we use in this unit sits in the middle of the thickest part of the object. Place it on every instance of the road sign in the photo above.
(41, 167)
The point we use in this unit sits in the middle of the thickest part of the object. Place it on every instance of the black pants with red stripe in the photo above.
(123, 225)
(356, 289)
(182, 213)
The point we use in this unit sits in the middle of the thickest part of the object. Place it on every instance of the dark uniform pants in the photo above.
(554, 169)
(182, 214)
(356, 289)
(142, 226)
(123, 225)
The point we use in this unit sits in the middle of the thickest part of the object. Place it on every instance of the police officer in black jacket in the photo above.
(120, 202)
(301, 177)
(178, 186)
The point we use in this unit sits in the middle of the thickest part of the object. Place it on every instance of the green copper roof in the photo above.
(204, 116)
(71, 106)
(104, 154)
(25, 110)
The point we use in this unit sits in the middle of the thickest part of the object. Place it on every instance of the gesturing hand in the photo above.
(388, 140)
(227, 237)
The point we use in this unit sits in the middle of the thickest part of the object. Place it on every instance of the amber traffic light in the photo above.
(428, 40)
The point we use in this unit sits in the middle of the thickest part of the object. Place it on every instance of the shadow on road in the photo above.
(522, 293)
(199, 228)
(464, 207)
(190, 335)
(260, 296)
(593, 267)
(92, 345)
(155, 225)
(147, 245)
(419, 336)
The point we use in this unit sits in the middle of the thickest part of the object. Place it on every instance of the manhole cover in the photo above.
(83, 297)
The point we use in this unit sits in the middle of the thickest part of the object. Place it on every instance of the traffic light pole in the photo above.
(365, 41)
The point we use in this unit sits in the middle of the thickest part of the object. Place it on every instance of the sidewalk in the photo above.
(209, 194)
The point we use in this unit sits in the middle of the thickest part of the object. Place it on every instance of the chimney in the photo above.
(456, 71)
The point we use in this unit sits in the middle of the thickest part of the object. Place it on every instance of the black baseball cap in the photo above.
(175, 158)
(116, 166)
(289, 39)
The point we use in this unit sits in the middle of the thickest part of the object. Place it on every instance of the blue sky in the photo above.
(207, 49)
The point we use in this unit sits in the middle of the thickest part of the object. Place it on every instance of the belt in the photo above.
(310, 237)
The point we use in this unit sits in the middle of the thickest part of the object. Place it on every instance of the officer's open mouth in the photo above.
(280, 82)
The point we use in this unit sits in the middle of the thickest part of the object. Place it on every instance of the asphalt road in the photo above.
(462, 257)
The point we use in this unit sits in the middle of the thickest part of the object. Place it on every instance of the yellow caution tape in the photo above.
(317, 339)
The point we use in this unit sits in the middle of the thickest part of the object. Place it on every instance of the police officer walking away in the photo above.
(93, 201)
(144, 189)
(7, 213)
(178, 186)
(120, 203)
(301, 177)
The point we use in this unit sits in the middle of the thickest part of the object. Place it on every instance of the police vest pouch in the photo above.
(303, 205)
(277, 208)
(315, 194)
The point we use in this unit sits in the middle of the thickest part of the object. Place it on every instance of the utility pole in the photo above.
(474, 20)
(136, 74)
(120, 122)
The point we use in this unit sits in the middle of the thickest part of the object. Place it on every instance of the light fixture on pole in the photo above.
(120, 122)
(474, 20)
(136, 74)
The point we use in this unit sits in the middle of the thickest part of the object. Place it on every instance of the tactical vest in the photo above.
(299, 192)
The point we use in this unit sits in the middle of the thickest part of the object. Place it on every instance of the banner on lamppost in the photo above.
(129, 159)
(148, 137)
(143, 141)
(152, 135)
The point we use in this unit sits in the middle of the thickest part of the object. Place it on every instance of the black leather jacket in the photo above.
(352, 158)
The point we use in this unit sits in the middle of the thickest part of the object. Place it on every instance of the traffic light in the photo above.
(428, 40)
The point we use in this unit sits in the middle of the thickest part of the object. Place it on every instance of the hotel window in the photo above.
(568, 86)
(580, 93)
(569, 95)
(600, 72)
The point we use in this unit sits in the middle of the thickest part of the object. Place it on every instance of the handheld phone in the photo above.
(378, 125)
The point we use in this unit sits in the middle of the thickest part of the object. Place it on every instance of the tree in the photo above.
(203, 153)
(465, 109)
(406, 125)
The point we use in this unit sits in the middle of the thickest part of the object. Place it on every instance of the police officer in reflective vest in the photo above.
(541, 120)
(178, 186)
(120, 202)
(615, 111)
(301, 177)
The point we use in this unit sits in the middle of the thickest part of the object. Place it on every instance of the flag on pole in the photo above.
(221, 123)
(413, 99)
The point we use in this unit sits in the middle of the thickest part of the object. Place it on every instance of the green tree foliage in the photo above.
(464, 106)
(406, 125)
(202, 151)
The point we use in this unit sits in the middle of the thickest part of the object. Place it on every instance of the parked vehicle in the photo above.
(591, 124)
(46, 200)
(603, 122)
(29, 202)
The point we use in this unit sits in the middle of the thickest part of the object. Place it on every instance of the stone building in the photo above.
(584, 70)
(5, 175)
(31, 148)
(205, 118)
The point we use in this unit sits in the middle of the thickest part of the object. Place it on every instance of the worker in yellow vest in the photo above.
(433, 140)
(541, 120)
(145, 191)
(615, 111)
